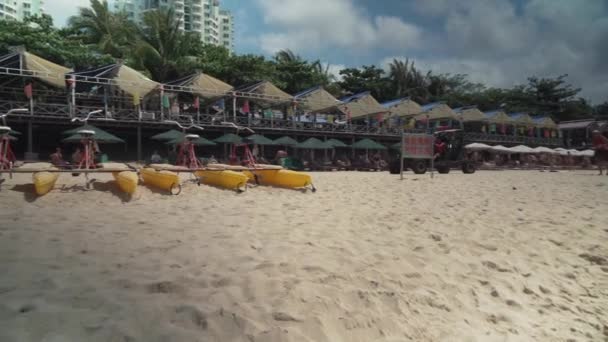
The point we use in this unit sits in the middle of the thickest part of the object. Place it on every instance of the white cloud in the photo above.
(317, 24)
(61, 10)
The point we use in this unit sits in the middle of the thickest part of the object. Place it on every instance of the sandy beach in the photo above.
(494, 256)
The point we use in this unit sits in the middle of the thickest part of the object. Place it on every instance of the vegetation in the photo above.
(98, 36)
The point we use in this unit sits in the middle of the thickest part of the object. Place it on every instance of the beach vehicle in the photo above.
(453, 157)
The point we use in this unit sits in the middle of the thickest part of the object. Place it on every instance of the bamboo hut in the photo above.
(401, 110)
(361, 107)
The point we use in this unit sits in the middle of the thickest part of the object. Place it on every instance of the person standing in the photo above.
(600, 145)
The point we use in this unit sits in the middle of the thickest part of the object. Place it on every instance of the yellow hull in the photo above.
(44, 182)
(165, 180)
(127, 181)
(283, 178)
(224, 179)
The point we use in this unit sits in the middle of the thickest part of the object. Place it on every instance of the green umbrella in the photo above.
(99, 137)
(168, 135)
(11, 132)
(314, 144)
(285, 141)
(336, 143)
(259, 140)
(87, 127)
(198, 142)
(229, 138)
(368, 144)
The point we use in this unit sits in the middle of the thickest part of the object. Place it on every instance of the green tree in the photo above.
(162, 48)
(367, 78)
(109, 32)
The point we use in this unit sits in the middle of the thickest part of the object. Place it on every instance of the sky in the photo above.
(496, 42)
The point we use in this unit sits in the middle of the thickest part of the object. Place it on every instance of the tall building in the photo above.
(20, 9)
(205, 17)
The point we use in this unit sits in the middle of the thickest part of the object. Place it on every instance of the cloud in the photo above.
(339, 24)
(61, 10)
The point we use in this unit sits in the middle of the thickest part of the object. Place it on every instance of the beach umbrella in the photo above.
(477, 147)
(501, 149)
(522, 149)
(259, 140)
(99, 137)
(229, 138)
(168, 135)
(285, 141)
(197, 142)
(542, 149)
(314, 144)
(587, 153)
(87, 127)
(368, 144)
(336, 143)
(11, 132)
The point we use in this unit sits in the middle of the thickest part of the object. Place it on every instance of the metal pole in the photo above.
(402, 154)
(428, 128)
(73, 91)
(198, 112)
(139, 152)
(234, 109)
(105, 100)
(162, 109)
(30, 136)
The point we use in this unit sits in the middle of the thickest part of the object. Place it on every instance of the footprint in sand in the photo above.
(189, 316)
(163, 287)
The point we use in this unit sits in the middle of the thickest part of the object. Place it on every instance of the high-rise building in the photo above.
(20, 9)
(205, 17)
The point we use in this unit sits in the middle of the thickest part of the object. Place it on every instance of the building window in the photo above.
(226, 21)
(206, 6)
(226, 35)
(226, 28)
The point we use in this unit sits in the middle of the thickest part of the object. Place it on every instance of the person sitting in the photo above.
(156, 158)
(77, 156)
(57, 158)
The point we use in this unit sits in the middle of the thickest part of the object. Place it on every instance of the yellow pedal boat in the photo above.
(126, 181)
(44, 182)
(227, 179)
(283, 178)
(165, 180)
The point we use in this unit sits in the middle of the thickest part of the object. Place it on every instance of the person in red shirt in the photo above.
(600, 145)
(439, 147)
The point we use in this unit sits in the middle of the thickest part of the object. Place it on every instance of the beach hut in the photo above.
(497, 122)
(203, 85)
(547, 128)
(470, 114)
(316, 99)
(362, 106)
(126, 79)
(401, 110)
(39, 68)
(437, 115)
(269, 94)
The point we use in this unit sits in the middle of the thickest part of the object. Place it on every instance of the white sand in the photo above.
(494, 256)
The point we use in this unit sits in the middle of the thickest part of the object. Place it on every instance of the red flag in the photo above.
(28, 90)
(246, 106)
(196, 103)
(72, 81)
(380, 117)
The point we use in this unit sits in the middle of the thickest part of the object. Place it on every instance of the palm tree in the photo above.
(323, 73)
(287, 56)
(407, 80)
(109, 31)
(162, 48)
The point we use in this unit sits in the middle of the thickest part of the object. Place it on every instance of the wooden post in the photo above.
(139, 151)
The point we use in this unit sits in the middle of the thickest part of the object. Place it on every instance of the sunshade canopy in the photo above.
(501, 149)
(498, 117)
(204, 85)
(336, 143)
(361, 105)
(127, 79)
(436, 111)
(402, 107)
(285, 141)
(198, 142)
(259, 140)
(229, 138)
(314, 144)
(316, 99)
(271, 92)
(544, 122)
(168, 135)
(522, 149)
(522, 119)
(368, 144)
(100, 136)
(48, 72)
(543, 149)
(471, 113)
(477, 147)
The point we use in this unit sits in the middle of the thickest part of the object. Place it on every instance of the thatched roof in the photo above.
(127, 79)
(470, 113)
(48, 72)
(271, 92)
(204, 85)
(316, 99)
(498, 117)
(436, 111)
(361, 105)
(402, 107)
(544, 121)
(522, 119)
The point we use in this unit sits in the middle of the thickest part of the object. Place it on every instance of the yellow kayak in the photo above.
(44, 182)
(127, 181)
(224, 179)
(165, 180)
(284, 178)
